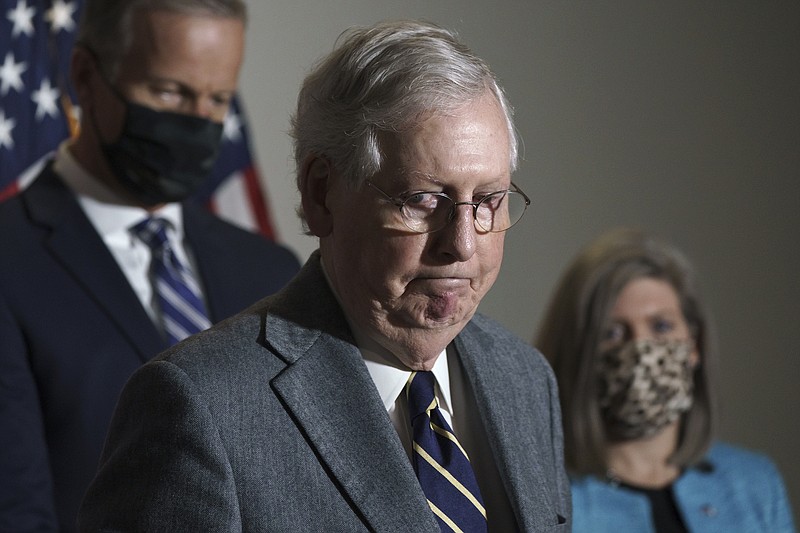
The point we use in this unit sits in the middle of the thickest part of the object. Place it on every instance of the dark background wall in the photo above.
(682, 118)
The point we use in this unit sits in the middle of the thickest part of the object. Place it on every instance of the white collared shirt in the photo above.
(113, 219)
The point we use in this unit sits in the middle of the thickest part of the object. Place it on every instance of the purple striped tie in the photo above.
(183, 312)
(441, 464)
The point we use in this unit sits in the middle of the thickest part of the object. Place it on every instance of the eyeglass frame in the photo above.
(400, 202)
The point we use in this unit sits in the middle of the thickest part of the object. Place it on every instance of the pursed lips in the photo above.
(442, 283)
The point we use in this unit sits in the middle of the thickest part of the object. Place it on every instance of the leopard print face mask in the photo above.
(644, 386)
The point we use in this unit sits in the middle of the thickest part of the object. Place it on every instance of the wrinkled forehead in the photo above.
(468, 145)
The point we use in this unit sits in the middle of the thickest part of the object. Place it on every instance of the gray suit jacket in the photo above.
(270, 421)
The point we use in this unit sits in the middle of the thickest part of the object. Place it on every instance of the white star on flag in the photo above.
(6, 125)
(22, 17)
(232, 127)
(60, 16)
(11, 74)
(45, 98)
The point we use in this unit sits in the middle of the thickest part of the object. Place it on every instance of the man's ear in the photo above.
(316, 177)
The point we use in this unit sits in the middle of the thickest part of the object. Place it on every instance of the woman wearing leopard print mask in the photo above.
(630, 344)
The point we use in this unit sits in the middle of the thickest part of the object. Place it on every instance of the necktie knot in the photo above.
(421, 394)
(153, 232)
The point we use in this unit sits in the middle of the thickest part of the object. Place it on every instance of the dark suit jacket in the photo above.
(270, 421)
(72, 331)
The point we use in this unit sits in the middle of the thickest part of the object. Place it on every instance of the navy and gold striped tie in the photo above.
(183, 312)
(440, 462)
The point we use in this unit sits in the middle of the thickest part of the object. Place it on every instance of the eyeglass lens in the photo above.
(427, 212)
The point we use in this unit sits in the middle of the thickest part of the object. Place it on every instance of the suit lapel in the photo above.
(348, 427)
(74, 243)
(501, 412)
(328, 391)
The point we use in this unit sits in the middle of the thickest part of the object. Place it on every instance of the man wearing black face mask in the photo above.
(161, 156)
(88, 289)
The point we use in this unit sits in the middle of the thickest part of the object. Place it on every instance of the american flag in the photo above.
(37, 112)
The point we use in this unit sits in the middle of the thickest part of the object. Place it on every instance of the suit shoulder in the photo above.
(13, 211)
(729, 459)
(19, 236)
(12, 215)
(499, 333)
(505, 343)
(232, 343)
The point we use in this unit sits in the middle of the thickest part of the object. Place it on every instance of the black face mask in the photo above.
(161, 156)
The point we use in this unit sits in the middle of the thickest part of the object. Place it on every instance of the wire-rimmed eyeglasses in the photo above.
(426, 212)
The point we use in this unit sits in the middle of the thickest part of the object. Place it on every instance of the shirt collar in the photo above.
(390, 376)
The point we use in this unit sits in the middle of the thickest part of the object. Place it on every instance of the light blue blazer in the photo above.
(270, 421)
(737, 492)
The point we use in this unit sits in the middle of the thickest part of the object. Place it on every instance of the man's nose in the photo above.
(458, 238)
